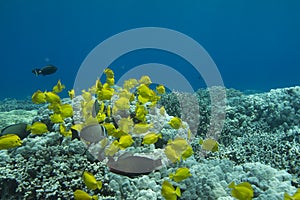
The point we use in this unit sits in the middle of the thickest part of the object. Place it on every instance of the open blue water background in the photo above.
(255, 44)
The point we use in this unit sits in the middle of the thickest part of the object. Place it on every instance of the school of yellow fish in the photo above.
(176, 150)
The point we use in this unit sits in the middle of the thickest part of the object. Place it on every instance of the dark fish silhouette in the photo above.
(19, 129)
(133, 165)
(49, 69)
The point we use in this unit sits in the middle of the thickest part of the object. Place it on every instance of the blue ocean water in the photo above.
(255, 44)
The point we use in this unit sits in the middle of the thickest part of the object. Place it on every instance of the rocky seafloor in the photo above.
(259, 143)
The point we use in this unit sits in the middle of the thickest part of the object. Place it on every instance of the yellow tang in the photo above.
(129, 84)
(179, 144)
(145, 80)
(105, 94)
(82, 195)
(109, 73)
(160, 89)
(188, 152)
(71, 94)
(122, 103)
(112, 149)
(38, 128)
(171, 154)
(180, 174)
(177, 149)
(169, 192)
(145, 92)
(242, 191)
(87, 96)
(38, 97)
(64, 132)
(175, 122)
(90, 181)
(141, 112)
(52, 97)
(141, 128)
(58, 87)
(125, 141)
(125, 124)
(56, 118)
(151, 138)
(10, 141)
(296, 196)
(66, 110)
(110, 128)
(209, 145)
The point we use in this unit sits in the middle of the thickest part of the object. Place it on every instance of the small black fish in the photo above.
(49, 69)
(19, 129)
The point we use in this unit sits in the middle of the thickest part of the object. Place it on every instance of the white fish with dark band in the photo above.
(93, 133)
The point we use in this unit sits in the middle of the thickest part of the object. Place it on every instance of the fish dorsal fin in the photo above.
(125, 155)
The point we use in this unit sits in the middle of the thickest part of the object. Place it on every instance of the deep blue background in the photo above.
(255, 44)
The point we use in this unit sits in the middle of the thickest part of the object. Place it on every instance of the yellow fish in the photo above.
(66, 110)
(171, 154)
(110, 128)
(177, 149)
(141, 112)
(151, 138)
(175, 122)
(64, 132)
(82, 195)
(162, 111)
(10, 141)
(169, 192)
(38, 97)
(296, 196)
(87, 96)
(180, 174)
(160, 89)
(56, 118)
(125, 141)
(56, 107)
(129, 84)
(71, 94)
(58, 87)
(52, 97)
(105, 93)
(38, 128)
(209, 145)
(112, 149)
(179, 144)
(122, 103)
(141, 128)
(145, 94)
(188, 152)
(109, 73)
(101, 117)
(145, 80)
(90, 181)
(242, 191)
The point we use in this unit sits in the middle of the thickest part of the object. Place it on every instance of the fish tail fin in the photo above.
(287, 196)
(36, 71)
(171, 176)
(95, 197)
(178, 192)
(231, 185)
(28, 127)
(99, 185)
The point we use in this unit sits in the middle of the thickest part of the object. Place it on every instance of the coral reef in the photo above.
(259, 144)
(261, 127)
